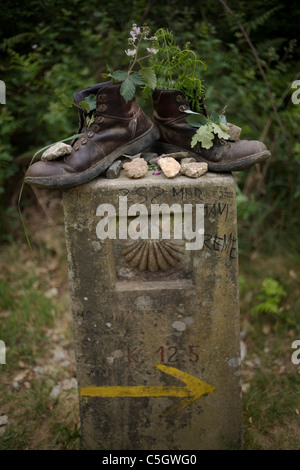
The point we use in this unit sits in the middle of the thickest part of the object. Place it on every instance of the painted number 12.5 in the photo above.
(171, 355)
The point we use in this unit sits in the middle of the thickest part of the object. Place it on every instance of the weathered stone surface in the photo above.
(169, 166)
(234, 131)
(138, 168)
(187, 160)
(135, 322)
(114, 169)
(194, 169)
(55, 151)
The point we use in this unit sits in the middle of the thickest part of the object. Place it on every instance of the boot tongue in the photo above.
(91, 90)
(80, 96)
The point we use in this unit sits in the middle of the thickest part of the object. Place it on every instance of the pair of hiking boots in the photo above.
(121, 127)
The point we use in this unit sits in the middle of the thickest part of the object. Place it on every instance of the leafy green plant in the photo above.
(178, 68)
(270, 298)
(138, 52)
(208, 128)
(67, 438)
(168, 66)
(88, 105)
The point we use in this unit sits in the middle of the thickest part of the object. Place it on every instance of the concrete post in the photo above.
(156, 325)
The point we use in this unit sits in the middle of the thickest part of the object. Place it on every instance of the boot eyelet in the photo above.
(102, 97)
(179, 98)
(90, 134)
(182, 107)
(76, 147)
(96, 128)
(99, 119)
(102, 107)
(83, 140)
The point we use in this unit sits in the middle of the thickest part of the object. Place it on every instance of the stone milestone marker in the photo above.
(156, 320)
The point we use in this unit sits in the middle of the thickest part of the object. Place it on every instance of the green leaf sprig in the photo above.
(208, 128)
(89, 105)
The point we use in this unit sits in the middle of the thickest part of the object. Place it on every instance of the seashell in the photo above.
(153, 255)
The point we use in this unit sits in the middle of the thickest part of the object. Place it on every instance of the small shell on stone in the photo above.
(153, 255)
(56, 151)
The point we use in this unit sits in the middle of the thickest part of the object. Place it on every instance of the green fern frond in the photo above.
(178, 68)
(10, 43)
(260, 20)
(266, 307)
(270, 297)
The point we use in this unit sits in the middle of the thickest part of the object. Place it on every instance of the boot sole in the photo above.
(239, 165)
(66, 181)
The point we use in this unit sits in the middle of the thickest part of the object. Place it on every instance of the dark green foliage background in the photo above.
(49, 48)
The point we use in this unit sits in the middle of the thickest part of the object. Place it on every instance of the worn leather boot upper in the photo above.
(81, 95)
(176, 134)
(118, 128)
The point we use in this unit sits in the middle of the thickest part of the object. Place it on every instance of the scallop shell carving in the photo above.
(153, 255)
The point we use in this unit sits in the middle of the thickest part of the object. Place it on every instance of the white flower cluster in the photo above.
(130, 52)
(152, 50)
(135, 32)
(138, 33)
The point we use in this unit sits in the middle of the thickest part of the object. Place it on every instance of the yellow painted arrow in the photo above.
(192, 391)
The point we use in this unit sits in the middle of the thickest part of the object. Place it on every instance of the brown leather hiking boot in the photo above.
(119, 128)
(81, 95)
(176, 135)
